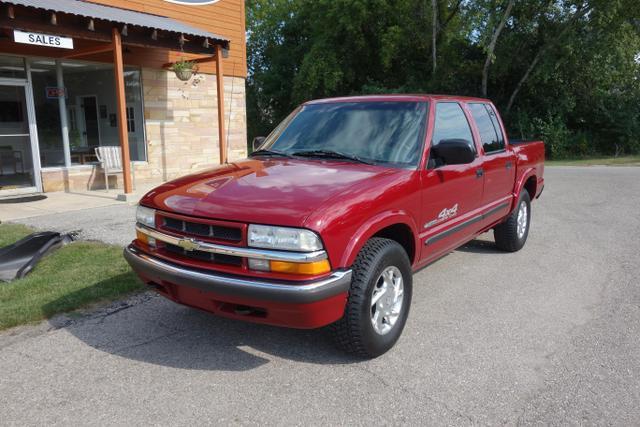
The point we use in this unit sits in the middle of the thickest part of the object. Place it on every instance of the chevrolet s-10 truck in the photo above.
(327, 220)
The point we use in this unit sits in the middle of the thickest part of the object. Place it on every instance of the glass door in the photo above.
(17, 168)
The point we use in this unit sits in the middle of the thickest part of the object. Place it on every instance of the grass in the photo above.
(75, 276)
(597, 161)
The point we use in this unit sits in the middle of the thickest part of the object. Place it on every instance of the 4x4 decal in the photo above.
(444, 215)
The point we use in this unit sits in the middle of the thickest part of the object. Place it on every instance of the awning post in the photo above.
(222, 135)
(121, 109)
(62, 106)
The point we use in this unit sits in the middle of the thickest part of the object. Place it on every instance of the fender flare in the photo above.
(374, 225)
(530, 172)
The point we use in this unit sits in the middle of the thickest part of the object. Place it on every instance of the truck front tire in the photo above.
(511, 235)
(379, 299)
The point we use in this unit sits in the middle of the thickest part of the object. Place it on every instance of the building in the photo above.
(76, 75)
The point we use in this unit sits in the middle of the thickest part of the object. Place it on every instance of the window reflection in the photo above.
(91, 109)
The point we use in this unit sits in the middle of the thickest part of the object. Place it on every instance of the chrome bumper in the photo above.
(160, 271)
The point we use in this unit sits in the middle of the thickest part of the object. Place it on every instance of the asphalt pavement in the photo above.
(548, 335)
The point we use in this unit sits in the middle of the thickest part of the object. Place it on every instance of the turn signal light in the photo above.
(308, 268)
(149, 241)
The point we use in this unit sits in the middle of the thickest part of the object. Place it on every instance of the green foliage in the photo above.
(567, 71)
(182, 65)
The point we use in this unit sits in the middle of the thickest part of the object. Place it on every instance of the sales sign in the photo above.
(39, 39)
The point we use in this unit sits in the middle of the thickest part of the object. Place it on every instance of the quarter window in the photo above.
(451, 123)
(490, 133)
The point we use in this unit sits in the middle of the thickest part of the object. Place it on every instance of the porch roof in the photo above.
(115, 14)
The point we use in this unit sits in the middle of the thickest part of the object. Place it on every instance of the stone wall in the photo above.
(181, 121)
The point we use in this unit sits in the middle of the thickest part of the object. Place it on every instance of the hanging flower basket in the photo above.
(183, 69)
(183, 75)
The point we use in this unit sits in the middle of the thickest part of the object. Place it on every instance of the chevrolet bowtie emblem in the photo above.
(188, 244)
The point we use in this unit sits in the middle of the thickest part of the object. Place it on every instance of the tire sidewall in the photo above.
(392, 255)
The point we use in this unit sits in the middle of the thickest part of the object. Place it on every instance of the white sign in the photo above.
(47, 40)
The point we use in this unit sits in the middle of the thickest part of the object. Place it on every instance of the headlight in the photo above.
(291, 239)
(146, 216)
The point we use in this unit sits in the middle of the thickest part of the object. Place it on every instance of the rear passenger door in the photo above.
(499, 161)
(451, 194)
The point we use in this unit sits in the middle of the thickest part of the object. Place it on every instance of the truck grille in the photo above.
(206, 230)
(204, 256)
(213, 232)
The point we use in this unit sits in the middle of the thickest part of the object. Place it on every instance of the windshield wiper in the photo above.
(329, 154)
(270, 153)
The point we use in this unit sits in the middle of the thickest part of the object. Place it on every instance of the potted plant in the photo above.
(184, 69)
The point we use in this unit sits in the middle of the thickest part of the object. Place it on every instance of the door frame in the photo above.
(33, 134)
(84, 122)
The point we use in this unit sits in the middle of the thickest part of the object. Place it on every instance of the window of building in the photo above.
(451, 123)
(47, 107)
(131, 120)
(490, 134)
(12, 67)
(91, 110)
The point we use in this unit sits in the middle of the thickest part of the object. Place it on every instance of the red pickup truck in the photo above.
(328, 219)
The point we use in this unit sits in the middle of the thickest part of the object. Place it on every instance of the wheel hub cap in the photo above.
(522, 219)
(386, 300)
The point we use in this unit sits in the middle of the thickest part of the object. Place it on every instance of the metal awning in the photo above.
(115, 14)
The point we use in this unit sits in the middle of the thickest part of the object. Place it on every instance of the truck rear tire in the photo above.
(511, 235)
(379, 300)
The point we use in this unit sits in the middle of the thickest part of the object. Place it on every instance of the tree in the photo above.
(565, 70)
(492, 45)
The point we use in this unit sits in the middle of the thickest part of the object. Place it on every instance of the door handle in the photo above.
(479, 172)
(509, 165)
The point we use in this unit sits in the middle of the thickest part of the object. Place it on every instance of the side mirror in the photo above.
(454, 151)
(257, 142)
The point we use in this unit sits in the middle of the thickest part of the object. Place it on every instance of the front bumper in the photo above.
(295, 304)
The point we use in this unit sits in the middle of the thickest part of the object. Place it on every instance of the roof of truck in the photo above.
(398, 97)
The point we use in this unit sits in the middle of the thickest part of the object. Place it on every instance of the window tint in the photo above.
(496, 124)
(451, 123)
(386, 132)
(490, 133)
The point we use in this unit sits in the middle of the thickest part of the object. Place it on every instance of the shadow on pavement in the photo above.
(480, 247)
(150, 329)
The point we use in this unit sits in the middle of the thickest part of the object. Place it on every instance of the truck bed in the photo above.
(529, 161)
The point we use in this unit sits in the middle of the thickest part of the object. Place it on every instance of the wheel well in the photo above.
(402, 234)
(531, 187)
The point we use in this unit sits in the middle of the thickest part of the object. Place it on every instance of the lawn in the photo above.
(75, 276)
(596, 161)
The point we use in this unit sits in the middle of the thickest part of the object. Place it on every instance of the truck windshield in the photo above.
(390, 133)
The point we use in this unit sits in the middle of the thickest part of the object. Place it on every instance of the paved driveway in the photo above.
(546, 335)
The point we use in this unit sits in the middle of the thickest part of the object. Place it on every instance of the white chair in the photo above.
(110, 159)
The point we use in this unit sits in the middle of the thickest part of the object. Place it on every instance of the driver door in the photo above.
(451, 194)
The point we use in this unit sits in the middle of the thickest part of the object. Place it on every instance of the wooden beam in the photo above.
(222, 135)
(89, 51)
(201, 60)
(121, 108)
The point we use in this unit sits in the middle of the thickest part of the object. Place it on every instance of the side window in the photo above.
(496, 124)
(490, 134)
(451, 123)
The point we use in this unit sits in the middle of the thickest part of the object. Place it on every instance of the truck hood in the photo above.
(272, 191)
